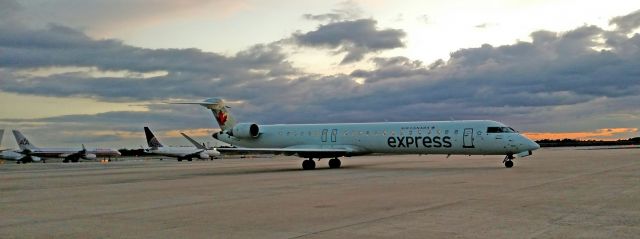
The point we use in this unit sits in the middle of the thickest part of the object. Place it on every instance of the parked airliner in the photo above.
(316, 141)
(181, 153)
(212, 152)
(14, 155)
(68, 154)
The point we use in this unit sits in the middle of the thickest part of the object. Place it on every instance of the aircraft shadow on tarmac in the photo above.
(360, 167)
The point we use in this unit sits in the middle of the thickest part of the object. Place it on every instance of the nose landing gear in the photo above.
(507, 161)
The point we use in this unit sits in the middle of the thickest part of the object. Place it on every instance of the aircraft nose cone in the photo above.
(533, 145)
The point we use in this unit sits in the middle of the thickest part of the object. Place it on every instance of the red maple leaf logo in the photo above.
(222, 118)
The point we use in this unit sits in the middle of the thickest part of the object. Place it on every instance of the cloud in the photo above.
(355, 37)
(105, 16)
(573, 80)
(347, 10)
(627, 23)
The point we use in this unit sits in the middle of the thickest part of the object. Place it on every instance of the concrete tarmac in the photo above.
(556, 193)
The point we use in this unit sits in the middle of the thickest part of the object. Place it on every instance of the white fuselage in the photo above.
(182, 152)
(424, 137)
(64, 152)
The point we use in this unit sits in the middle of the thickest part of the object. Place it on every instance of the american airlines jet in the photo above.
(181, 153)
(316, 141)
(68, 154)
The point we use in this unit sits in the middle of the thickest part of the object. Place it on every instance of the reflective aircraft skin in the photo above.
(466, 137)
(181, 153)
(69, 154)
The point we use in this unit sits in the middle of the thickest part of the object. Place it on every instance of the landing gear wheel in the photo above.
(65, 161)
(179, 159)
(508, 164)
(189, 159)
(308, 164)
(334, 163)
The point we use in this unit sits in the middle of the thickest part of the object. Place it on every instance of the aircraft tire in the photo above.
(179, 159)
(508, 164)
(334, 163)
(189, 159)
(308, 164)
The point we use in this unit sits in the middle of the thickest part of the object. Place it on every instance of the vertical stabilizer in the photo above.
(22, 141)
(220, 112)
(152, 141)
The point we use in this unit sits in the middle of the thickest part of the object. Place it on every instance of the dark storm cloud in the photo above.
(392, 68)
(628, 22)
(357, 38)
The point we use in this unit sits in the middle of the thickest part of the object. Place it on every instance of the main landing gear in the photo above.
(507, 161)
(309, 164)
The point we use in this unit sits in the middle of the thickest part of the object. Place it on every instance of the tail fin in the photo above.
(195, 143)
(220, 112)
(152, 141)
(22, 141)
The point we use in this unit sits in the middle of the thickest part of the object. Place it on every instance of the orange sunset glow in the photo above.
(600, 134)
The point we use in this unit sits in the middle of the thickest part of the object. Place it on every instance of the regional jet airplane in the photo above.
(69, 154)
(14, 155)
(212, 152)
(316, 141)
(181, 153)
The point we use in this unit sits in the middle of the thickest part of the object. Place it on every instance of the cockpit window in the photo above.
(494, 130)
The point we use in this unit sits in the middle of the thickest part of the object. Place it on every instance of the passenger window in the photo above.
(455, 131)
(446, 131)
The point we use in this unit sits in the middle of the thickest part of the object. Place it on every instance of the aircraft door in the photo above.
(324, 135)
(467, 140)
(334, 135)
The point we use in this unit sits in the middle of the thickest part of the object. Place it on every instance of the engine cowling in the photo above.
(245, 130)
(35, 159)
(89, 156)
(203, 155)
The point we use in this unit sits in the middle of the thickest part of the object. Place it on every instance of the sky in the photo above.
(97, 72)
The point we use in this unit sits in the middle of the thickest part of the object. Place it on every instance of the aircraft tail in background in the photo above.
(23, 142)
(152, 141)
